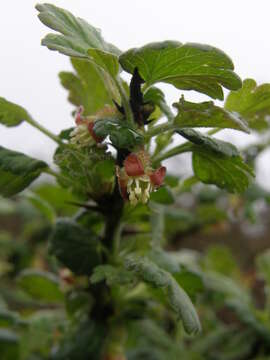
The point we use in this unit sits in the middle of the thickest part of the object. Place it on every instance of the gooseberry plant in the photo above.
(110, 253)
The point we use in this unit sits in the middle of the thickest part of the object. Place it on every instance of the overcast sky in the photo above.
(28, 72)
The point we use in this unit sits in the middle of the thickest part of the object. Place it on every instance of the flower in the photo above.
(84, 135)
(137, 179)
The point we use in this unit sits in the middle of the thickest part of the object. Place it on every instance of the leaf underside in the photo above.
(17, 171)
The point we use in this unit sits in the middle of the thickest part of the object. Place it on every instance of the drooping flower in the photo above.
(137, 179)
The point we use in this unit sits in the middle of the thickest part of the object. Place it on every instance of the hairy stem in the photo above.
(183, 148)
(44, 130)
(159, 129)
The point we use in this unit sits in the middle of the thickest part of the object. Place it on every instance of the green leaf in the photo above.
(190, 281)
(77, 36)
(164, 259)
(220, 259)
(8, 318)
(56, 197)
(121, 135)
(188, 67)
(65, 134)
(86, 176)
(107, 61)
(39, 337)
(230, 173)
(171, 180)
(248, 315)
(104, 170)
(163, 195)
(154, 95)
(83, 340)
(86, 87)
(41, 285)
(111, 274)
(12, 114)
(206, 114)
(9, 345)
(42, 206)
(225, 285)
(17, 171)
(209, 143)
(74, 246)
(179, 301)
(252, 103)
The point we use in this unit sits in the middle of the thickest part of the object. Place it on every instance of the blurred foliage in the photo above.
(116, 259)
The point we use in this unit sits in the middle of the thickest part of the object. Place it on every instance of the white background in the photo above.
(28, 72)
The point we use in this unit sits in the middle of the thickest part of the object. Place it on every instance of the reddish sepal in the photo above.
(158, 176)
(133, 165)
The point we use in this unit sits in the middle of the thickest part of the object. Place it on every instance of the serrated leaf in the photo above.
(12, 114)
(77, 35)
(74, 246)
(17, 171)
(121, 135)
(251, 102)
(188, 67)
(86, 87)
(208, 142)
(179, 301)
(206, 114)
(41, 285)
(230, 173)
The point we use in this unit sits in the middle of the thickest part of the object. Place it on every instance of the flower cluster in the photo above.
(137, 179)
(83, 135)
